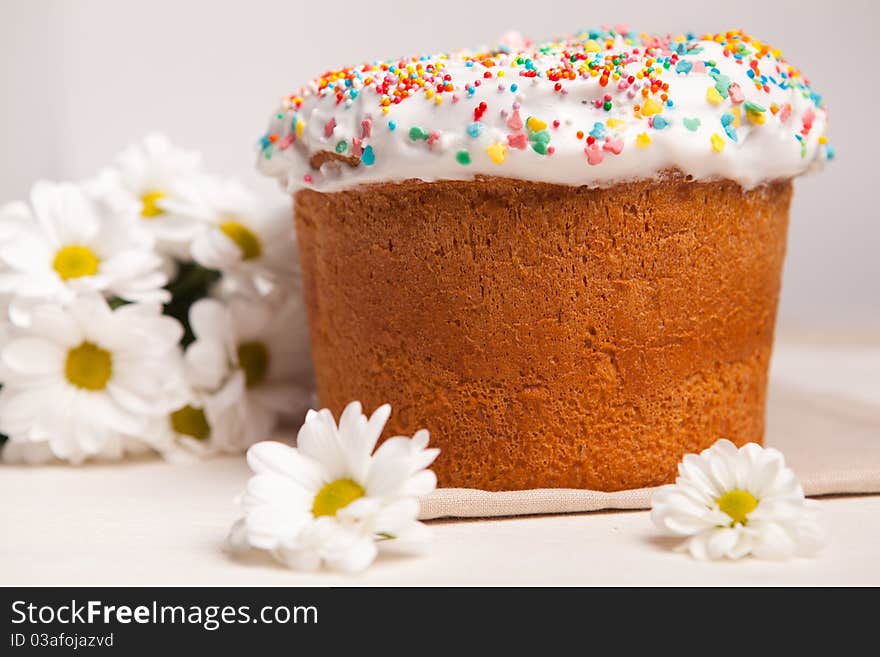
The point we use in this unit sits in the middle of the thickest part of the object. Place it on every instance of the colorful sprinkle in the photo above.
(497, 152)
(535, 125)
(691, 123)
(651, 107)
(642, 140)
(416, 133)
(594, 155)
(475, 129)
(684, 66)
(463, 157)
(368, 158)
(713, 96)
(717, 142)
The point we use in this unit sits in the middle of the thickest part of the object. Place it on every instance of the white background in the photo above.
(82, 78)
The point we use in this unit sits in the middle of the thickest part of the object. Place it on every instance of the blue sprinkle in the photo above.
(731, 132)
(368, 157)
(598, 131)
(392, 126)
(750, 73)
(829, 152)
(726, 119)
(475, 129)
(660, 122)
(514, 87)
(353, 93)
(684, 66)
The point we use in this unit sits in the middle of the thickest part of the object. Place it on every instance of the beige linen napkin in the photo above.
(831, 442)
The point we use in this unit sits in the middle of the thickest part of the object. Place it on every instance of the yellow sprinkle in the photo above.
(535, 125)
(500, 74)
(497, 152)
(757, 118)
(429, 93)
(642, 140)
(651, 107)
(823, 139)
(592, 46)
(735, 110)
(713, 96)
(717, 143)
(614, 123)
(438, 100)
(384, 110)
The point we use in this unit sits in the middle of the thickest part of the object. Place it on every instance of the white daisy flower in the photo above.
(148, 177)
(249, 364)
(734, 502)
(68, 244)
(331, 499)
(84, 380)
(199, 424)
(244, 239)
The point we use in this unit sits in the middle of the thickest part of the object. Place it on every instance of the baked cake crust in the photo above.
(548, 335)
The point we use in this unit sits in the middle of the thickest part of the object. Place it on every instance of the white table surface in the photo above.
(154, 523)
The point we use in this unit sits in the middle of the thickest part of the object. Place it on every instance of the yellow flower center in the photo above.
(336, 495)
(191, 421)
(75, 261)
(738, 504)
(88, 366)
(253, 357)
(245, 239)
(149, 203)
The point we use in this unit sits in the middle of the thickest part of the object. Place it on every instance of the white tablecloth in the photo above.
(155, 523)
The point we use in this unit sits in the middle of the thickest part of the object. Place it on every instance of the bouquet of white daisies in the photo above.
(153, 308)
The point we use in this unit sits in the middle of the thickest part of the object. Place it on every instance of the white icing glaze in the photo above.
(786, 144)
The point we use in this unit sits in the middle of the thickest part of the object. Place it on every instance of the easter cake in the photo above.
(562, 258)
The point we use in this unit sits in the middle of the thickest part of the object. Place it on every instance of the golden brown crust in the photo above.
(548, 336)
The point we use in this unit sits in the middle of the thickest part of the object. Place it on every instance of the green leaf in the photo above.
(191, 284)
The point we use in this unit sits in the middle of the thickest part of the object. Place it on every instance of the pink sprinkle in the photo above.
(286, 141)
(550, 150)
(699, 67)
(613, 145)
(357, 148)
(519, 141)
(785, 113)
(366, 128)
(329, 127)
(594, 155)
(515, 122)
(809, 115)
(623, 84)
(455, 98)
(433, 138)
(308, 179)
(736, 94)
